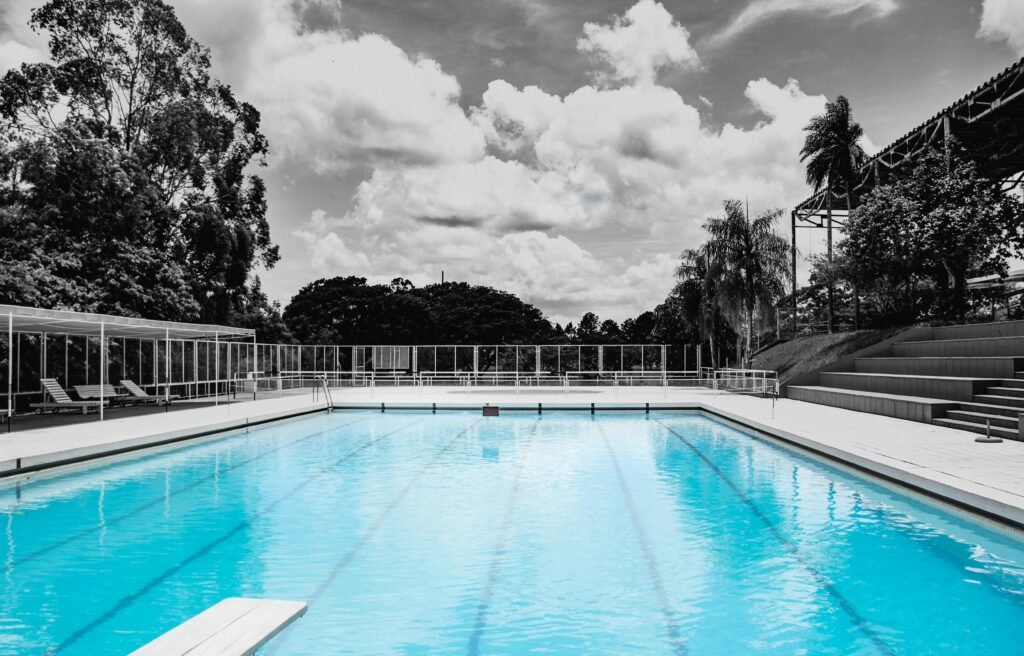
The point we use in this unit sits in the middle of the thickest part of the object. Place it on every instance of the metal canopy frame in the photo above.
(22, 320)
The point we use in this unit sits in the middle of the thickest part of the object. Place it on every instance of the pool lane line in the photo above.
(667, 611)
(146, 506)
(858, 620)
(368, 534)
(498, 556)
(128, 600)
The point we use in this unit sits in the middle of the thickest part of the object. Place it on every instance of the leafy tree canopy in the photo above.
(940, 221)
(349, 311)
(124, 183)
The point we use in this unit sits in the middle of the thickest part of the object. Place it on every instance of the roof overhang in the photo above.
(66, 322)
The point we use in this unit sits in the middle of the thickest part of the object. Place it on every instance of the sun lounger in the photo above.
(140, 395)
(105, 392)
(61, 400)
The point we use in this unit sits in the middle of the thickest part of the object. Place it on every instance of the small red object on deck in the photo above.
(490, 411)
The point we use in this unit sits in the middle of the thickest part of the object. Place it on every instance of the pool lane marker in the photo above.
(368, 534)
(668, 613)
(498, 557)
(162, 498)
(858, 620)
(128, 600)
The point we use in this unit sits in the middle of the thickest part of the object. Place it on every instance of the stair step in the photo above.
(1016, 384)
(992, 409)
(1003, 421)
(1006, 391)
(900, 406)
(1005, 433)
(996, 399)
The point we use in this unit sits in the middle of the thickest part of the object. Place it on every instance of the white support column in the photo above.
(216, 368)
(254, 366)
(195, 367)
(664, 358)
(600, 359)
(537, 359)
(43, 357)
(167, 365)
(103, 368)
(10, 366)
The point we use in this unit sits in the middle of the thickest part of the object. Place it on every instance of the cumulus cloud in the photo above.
(1003, 20)
(632, 163)
(639, 43)
(759, 11)
(329, 99)
(18, 43)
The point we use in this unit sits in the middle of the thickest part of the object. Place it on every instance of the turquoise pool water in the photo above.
(450, 533)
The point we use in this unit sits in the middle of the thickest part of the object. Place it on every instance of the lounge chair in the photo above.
(140, 395)
(105, 392)
(61, 400)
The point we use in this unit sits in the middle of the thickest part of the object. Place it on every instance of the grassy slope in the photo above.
(805, 354)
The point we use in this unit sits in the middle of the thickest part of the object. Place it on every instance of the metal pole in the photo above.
(254, 366)
(103, 368)
(793, 256)
(195, 367)
(10, 367)
(216, 368)
(167, 365)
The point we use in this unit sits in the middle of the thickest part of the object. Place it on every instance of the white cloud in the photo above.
(330, 100)
(759, 11)
(1004, 19)
(639, 43)
(632, 164)
(18, 43)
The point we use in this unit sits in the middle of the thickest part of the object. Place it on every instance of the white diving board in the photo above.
(232, 627)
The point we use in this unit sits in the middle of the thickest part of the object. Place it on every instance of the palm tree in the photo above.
(753, 260)
(833, 155)
(699, 276)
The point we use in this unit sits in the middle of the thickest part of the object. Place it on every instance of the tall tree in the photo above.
(699, 277)
(128, 167)
(939, 219)
(753, 258)
(832, 155)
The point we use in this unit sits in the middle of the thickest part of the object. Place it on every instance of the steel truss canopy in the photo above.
(988, 123)
(65, 322)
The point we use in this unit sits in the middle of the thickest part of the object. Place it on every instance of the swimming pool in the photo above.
(413, 533)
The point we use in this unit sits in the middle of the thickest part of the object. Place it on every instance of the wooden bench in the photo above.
(232, 627)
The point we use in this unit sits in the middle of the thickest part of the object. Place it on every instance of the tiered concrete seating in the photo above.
(957, 376)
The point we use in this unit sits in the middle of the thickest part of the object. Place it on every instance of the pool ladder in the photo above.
(327, 393)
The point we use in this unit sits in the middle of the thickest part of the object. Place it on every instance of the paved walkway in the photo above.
(31, 449)
(942, 461)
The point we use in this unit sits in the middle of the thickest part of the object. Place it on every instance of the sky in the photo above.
(564, 150)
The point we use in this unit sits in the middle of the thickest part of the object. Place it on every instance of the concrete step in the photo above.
(891, 405)
(985, 367)
(1012, 382)
(1003, 421)
(1000, 390)
(995, 399)
(991, 409)
(974, 348)
(1005, 433)
(953, 388)
(979, 330)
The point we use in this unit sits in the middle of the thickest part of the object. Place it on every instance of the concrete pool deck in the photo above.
(942, 462)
